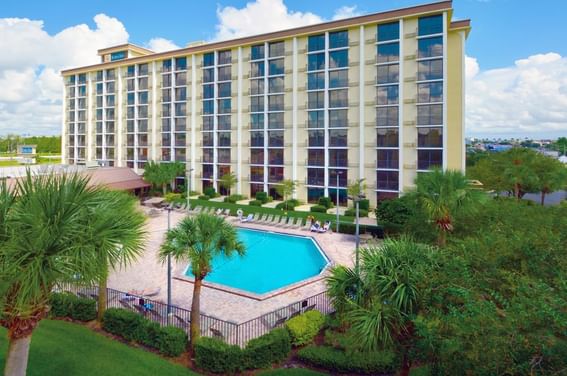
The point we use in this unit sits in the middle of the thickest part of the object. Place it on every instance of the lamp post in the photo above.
(188, 185)
(338, 173)
(169, 208)
(356, 197)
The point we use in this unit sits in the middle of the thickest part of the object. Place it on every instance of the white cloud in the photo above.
(161, 45)
(263, 16)
(528, 98)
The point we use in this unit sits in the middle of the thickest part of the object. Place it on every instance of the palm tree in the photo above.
(199, 240)
(442, 194)
(286, 188)
(42, 243)
(155, 174)
(376, 304)
(116, 229)
(227, 181)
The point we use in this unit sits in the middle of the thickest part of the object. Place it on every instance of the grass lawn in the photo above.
(63, 348)
(291, 372)
(247, 209)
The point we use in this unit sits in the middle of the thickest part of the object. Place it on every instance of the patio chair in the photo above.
(282, 221)
(197, 210)
(263, 219)
(289, 222)
(181, 321)
(307, 225)
(256, 217)
(275, 220)
(218, 212)
(226, 213)
(83, 295)
(218, 333)
(249, 218)
(269, 220)
(298, 223)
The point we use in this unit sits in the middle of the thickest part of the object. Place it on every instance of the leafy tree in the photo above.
(227, 181)
(286, 188)
(155, 174)
(199, 240)
(45, 239)
(560, 145)
(443, 194)
(550, 174)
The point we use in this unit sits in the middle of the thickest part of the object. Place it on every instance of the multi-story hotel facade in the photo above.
(379, 97)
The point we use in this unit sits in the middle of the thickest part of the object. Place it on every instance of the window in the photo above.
(338, 137)
(142, 69)
(209, 59)
(223, 122)
(143, 97)
(109, 87)
(208, 91)
(257, 173)
(430, 25)
(431, 114)
(166, 110)
(338, 78)
(276, 156)
(315, 157)
(166, 80)
(99, 88)
(143, 111)
(257, 86)
(110, 74)
(257, 138)
(388, 52)
(315, 176)
(276, 120)
(181, 94)
(388, 74)
(276, 49)
(224, 155)
(316, 61)
(257, 104)
(166, 65)
(224, 57)
(430, 137)
(389, 31)
(338, 39)
(427, 159)
(387, 137)
(430, 47)
(208, 107)
(338, 118)
(430, 92)
(143, 126)
(181, 63)
(338, 59)
(275, 103)
(142, 83)
(316, 42)
(165, 95)
(130, 112)
(276, 85)
(208, 172)
(130, 71)
(180, 124)
(257, 156)
(387, 158)
(224, 90)
(257, 121)
(208, 75)
(224, 106)
(275, 138)
(99, 101)
(316, 81)
(208, 139)
(82, 78)
(387, 117)
(388, 180)
(275, 174)
(180, 109)
(208, 123)
(257, 52)
(316, 138)
(338, 98)
(315, 119)
(83, 89)
(224, 139)
(315, 99)
(387, 95)
(99, 75)
(257, 69)
(338, 158)
(276, 67)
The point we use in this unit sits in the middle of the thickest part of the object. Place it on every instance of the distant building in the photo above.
(27, 154)
(498, 147)
(563, 159)
(550, 153)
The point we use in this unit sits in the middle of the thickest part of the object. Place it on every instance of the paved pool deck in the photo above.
(149, 273)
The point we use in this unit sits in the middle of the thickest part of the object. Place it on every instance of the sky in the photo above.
(516, 52)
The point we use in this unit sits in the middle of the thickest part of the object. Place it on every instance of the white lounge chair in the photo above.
(282, 222)
(275, 221)
(249, 218)
(315, 227)
(263, 219)
(325, 227)
(269, 220)
(218, 211)
(298, 223)
(256, 217)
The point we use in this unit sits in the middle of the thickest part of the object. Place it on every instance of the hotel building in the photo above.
(379, 97)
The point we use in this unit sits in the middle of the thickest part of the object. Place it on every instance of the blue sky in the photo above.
(516, 53)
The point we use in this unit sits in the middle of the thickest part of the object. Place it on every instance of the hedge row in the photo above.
(304, 328)
(69, 305)
(215, 356)
(168, 340)
(341, 362)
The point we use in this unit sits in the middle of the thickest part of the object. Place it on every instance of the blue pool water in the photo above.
(272, 261)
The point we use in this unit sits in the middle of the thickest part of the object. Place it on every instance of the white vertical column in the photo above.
(326, 118)
(64, 137)
(89, 124)
(294, 116)
(239, 124)
(265, 113)
(153, 141)
(193, 117)
(401, 109)
(119, 124)
(215, 120)
(444, 90)
(361, 104)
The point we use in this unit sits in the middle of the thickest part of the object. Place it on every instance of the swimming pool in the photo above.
(272, 261)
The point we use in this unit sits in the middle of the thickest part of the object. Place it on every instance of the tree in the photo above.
(156, 176)
(116, 229)
(199, 240)
(560, 145)
(286, 188)
(227, 181)
(379, 314)
(171, 171)
(442, 194)
(518, 170)
(550, 175)
(44, 240)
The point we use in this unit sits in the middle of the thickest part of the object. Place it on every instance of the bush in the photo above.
(351, 212)
(123, 323)
(326, 202)
(364, 204)
(70, 305)
(394, 214)
(204, 197)
(209, 191)
(342, 362)
(263, 197)
(291, 204)
(318, 209)
(255, 203)
(304, 328)
(214, 355)
(173, 197)
(234, 198)
(270, 348)
(170, 341)
(149, 333)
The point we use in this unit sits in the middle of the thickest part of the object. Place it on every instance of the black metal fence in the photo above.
(232, 333)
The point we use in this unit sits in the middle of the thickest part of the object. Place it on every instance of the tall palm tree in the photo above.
(156, 175)
(377, 303)
(116, 229)
(42, 243)
(227, 181)
(444, 193)
(199, 240)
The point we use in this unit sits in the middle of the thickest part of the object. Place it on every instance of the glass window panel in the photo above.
(430, 25)
(277, 49)
(224, 106)
(316, 138)
(208, 123)
(181, 63)
(181, 94)
(224, 155)
(276, 120)
(427, 159)
(387, 116)
(257, 138)
(430, 92)
(99, 87)
(99, 101)
(99, 75)
(142, 83)
(257, 86)
(208, 139)
(224, 74)
(430, 47)
(181, 78)
(276, 85)
(224, 122)
(208, 91)
(387, 137)
(338, 39)
(143, 97)
(166, 65)
(276, 156)
(430, 137)
(430, 70)
(316, 81)
(143, 111)
(338, 118)
(338, 59)
(109, 88)
(257, 52)
(315, 99)
(208, 75)
(387, 95)
(389, 31)
(257, 69)
(257, 104)
(315, 157)
(275, 174)
(166, 80)
(130, 71)
(209, 59)
(316, 61)
(110, 74)
(315, 176)
(338, 78)
(224, 57)
(180, 124)
(388, 180)
(257, 156)
(165, 95)
(275, 138)
(430, 114)
(338, 158)
(316, 42)
(208, 107)
(142, 69)
(338, 98)
(257, 174)
(388, 73)
(180, 109)
(276, 67)
(338, 137)
(275, 103)
(224, 90)
(315, 119)
(257, 121)
(387, 158)
(166, 110)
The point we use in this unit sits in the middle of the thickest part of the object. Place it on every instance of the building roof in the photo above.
(125, 46)
(303, 30)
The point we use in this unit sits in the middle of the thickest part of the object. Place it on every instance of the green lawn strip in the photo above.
(63, 348)
(249, 209)
(291, 372)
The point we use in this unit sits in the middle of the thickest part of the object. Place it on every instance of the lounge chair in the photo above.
(184, 323)
(218, 211)
(275, 220)
(226, 212)
(249, 218)
(325, 227)
(263, 219)
(256, 217)
(298, 223)
(290, 222)
(315, 227)
(269, 220)
(282, 222)
(307, 225)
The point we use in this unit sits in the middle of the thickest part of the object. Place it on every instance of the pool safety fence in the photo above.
(230, 332)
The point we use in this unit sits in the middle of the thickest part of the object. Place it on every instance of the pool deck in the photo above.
(149, 273)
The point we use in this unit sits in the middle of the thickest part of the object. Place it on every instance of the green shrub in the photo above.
(171, 341)
(204, 197)
(326, 202)
(304, 328)
(215, 356)
(234, 198)
(342, 362)
(291, 204)
(351, 212)
(255, 203)
(70, 305)
(364, 204)
(209, 191)
(149, 333)
(173, 197)
(268, 349)
(193, 193)
(123, 323)
(318, 209)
